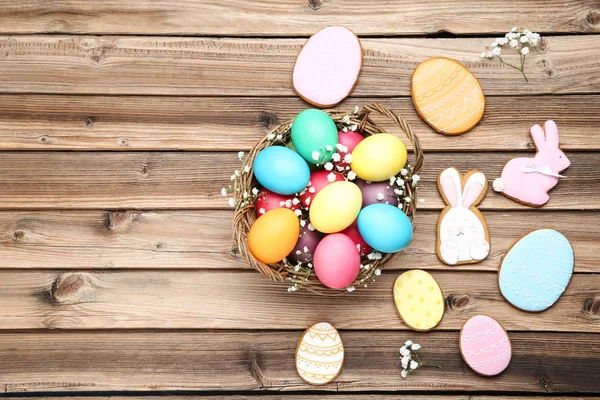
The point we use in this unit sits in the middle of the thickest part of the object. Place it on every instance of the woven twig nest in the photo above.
(302, 276)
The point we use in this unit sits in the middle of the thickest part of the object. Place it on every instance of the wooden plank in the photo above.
(249, 360)
(263, 67)
(71, 122)
(294, 18)
(248, 300)
(319, 395)
(202, 239)
(172, 180)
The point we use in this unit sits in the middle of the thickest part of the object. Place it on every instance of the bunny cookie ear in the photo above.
(538, 135)
(450, 185)
(551, 133)
(475, 188)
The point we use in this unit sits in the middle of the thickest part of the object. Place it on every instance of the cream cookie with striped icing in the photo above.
(447, 95)
(320, 354)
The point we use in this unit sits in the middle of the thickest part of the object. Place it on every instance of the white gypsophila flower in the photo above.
(367, 267)
(261, 211)
(315, 155)
(494, 43)
(328, 148)
(345, 129)
(295, 201)
(407, 199)
(298, 252)
(514, 29)
(421, 200)
(398, 192)
(484, 54)
(408, 343)
(335, 157)
(380, 196)
(341, 147)
(328, 166)
(404, 351)
(297, 268)
(358, 248)
(524, 39)
(404, 374)
(298, 213)
(282, 203)
(377, 272)
(270, 136)
(356, 110)
(312, 189)
(307, 201)
(309, 265)
(370, 256)
(400, 182)
(496, 51)
(241, 155)
(288, 203)
(513, 43)
(353, 127)
(279, 137)
(233, 177)
(414, 365)
(346, 119)
(525, 50)
(305, 249)
(245, 195)
(236, 172)
(377, 255)
(331, 177)
(534, 39)
(254, 191)
(351, 175)
(350, 289)
(340, 168)
(348, 158)
(224, 192)
(302, 223)
(503, 41)
(416, 346)
(246, 169)
(405, 361)
(311, 227)
(231, 202)
(416, 178)
(403, 172)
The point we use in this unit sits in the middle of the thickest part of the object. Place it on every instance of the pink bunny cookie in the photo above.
(528, 180)
(462, 234)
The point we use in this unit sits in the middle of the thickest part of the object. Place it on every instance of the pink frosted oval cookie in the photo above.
(485, 346)
(328, 66)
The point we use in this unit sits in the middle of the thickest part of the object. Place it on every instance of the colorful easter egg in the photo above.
(485, 345)
(335, 207)
(536, 270)
(419, 300)
(385, 227)
(353, 233)
(447, 95)
(378, 157)
(267, 201)
(377, 192)
(337, 261)
(328, 66)
(304, 250)
(281, 170)
(320, 354)
(318, 180)
(349, 140)
(273, 235)
(314, 135)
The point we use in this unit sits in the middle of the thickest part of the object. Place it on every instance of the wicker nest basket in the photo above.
(245, 214)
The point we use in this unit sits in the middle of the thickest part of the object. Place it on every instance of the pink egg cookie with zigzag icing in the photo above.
(447, 95)
(485, 345)
(328, 66)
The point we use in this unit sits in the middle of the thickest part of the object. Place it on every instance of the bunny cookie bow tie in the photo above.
(532, 168)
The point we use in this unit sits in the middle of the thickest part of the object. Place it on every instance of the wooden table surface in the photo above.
(120, 121)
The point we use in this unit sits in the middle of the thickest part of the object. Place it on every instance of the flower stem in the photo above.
(515, 67)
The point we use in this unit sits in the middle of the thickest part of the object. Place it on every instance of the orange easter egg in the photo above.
(273, 236)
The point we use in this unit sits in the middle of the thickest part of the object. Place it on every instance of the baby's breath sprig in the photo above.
(410, 360)
(521, 41)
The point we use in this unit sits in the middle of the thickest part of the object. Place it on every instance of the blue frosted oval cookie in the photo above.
(536, 270)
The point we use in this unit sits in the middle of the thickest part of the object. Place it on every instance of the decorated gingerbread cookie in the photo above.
(536, 270)
(485, 345)
(528, 180)
(462, 233)
(447, 95)
(328, 66)
(419, 300)
(320, 354)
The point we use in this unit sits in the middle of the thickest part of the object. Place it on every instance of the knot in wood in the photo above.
(67, 288)
(315, 4)
(591, 308)
(18, 236)
(267, 119)
(458, 301)
(592, 18)
(118, 221)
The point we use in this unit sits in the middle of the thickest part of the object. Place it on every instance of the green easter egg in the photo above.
(314, 131)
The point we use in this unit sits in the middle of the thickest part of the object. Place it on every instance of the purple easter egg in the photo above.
(306, 245)
(377, 193)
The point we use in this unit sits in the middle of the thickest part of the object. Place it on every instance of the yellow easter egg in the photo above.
(335, 207)
(447, 95)
(273, 235)
(419, 300)
(378, 157)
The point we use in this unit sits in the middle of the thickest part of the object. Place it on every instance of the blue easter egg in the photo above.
(385, 227)
(281, 170)
(536, 270)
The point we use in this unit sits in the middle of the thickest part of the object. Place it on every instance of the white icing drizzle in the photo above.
(490, 362)
(486, 349)
(528, 296)
(483, 335)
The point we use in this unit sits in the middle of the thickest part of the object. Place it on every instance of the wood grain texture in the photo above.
(173, 180)
(71, 122)
(204, 361)
(202, 239)
(322, 396)
(294, 17)
(263, 67)
(248, 300)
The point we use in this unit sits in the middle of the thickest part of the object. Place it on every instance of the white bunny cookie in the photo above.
(462, 234)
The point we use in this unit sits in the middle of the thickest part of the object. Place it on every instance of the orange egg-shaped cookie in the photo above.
(273, 236)
(447, 95)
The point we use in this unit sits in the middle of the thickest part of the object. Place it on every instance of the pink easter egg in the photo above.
(352, 232)
(318, 180)
(336, 261)
(485, 345)
(268, 200)
(349, 139)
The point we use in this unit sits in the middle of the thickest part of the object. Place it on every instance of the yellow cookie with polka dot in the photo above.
(419, 300)
(447, 95)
